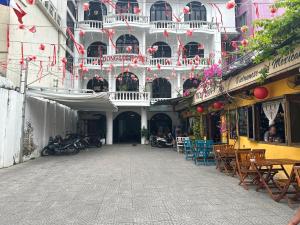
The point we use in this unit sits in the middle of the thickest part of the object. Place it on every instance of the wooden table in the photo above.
(267, 168)
(226, 158)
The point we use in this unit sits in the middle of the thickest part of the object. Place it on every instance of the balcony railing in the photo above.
(126, 98)
(90, 24)
(125, 18)
(125, 59)
(116, 59)
(161, 61)
(182, 26)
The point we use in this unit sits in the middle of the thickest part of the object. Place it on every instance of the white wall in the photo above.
(10, 126)
(48, 118)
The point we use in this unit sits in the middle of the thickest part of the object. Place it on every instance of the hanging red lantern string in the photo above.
(64, 62)
(218, 105)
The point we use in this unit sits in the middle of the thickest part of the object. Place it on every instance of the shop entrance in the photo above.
(214, 127)
(127, 128)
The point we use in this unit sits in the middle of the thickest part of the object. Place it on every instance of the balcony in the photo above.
(126, 19)
(129, 98)
(119, 60)
(181, 27)
(107, 60)
(90, 25)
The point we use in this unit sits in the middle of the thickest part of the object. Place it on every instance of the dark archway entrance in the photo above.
(160, 124)
(127, 128)
(96, 11)
(97, 126)
(98, 84)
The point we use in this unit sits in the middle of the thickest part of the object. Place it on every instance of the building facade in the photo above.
(141, 52)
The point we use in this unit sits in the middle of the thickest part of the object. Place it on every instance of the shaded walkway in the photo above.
(129, 185)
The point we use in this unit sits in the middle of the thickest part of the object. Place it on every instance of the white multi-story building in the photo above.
(118, 37)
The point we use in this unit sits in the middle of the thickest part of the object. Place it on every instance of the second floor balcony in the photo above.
(130, 98)
(126, 20)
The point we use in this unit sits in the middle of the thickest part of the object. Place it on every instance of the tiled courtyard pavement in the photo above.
(129, 185)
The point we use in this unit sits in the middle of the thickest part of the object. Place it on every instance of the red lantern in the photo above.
(244, 42)
(30, 2)
(200, 109)
(261, 92)
(230, 4)
(86, 7)
(218, 105)
(273, 9)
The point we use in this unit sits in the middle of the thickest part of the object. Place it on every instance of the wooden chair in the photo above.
(289, 186)
(179, 143)
(258, 154)
(247, 174)
(223, 157)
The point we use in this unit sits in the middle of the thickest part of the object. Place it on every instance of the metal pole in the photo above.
(23, 89)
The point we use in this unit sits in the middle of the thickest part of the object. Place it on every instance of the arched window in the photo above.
(96, 11)
(126, 6)
(192, 49)
(161, 88)
(127, 40)
(97, 49)
(98, 84)
(161, 11)
(190, 84)
(197, 12)
(163, 50)
(127, 82)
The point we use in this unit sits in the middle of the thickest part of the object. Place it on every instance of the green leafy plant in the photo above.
(145, 133)
(279, 35)
(264, 72)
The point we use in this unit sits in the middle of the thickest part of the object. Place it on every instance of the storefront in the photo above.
(272, 122)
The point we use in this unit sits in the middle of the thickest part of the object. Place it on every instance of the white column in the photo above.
(143, 82)
(179, 83)
(144, 123)
(110, 82)
(109, 128)
(218, 47)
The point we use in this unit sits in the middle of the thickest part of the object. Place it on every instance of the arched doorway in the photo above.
(127, 82)
(163, 50)
(98, 84)
(127, 128)
(126, 6)
(96, 11)
(127, 40)
(97, 49)
(197, 12)
(161, 11)
(160, 124)
(161, 88)
(193, 49)
(191, 84)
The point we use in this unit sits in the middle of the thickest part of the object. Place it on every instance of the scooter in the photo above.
(160, 142)
(56, 146)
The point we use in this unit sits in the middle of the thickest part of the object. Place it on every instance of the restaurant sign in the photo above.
(289, 62)
(250, 76)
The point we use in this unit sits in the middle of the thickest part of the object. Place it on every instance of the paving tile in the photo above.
(126, 185)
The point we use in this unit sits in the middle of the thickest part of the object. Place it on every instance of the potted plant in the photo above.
(145, 135)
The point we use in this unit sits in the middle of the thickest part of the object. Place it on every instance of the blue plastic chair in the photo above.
(188, 149)
(200, 153)
(209, 151)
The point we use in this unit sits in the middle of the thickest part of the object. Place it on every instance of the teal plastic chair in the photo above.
(188, 149)
(200, 153)
(209, 152)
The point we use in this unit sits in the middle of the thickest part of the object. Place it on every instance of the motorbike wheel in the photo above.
(45, 152)
(99, 144)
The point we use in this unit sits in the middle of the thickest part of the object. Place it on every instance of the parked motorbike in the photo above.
(93, 141)
(162, 142)
(59, 146)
